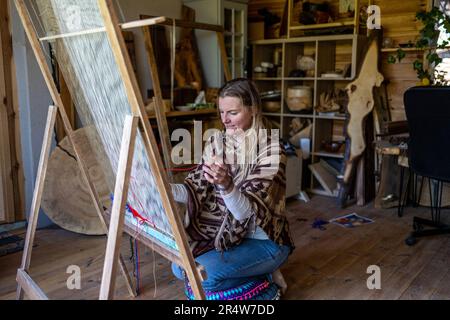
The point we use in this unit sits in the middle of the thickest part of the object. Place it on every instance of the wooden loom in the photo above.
(183, 257)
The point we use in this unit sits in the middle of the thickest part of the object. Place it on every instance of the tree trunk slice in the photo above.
(66, 199)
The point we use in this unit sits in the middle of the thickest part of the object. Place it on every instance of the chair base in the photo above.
(418, 224)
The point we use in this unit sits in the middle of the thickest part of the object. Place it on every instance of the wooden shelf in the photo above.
(298, 115)
(201, 112)
(330, 117)
(334, 79)
(411, 49)
(403, 49)
(299, 79)
(331, 52)
(329, 154)
(267, 79)
(323, 25)
(268, 41)
(320, 192)
(268, 114)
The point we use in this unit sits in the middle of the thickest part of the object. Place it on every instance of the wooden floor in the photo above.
(327, 264)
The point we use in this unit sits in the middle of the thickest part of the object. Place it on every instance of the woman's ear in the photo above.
(254, 111)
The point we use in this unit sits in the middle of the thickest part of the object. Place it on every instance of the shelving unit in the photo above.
(296, 29)
(330, 53)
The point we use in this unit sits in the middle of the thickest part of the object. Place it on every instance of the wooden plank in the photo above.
(124, 26)
(37, 195)
(67, 100)
(336, 269)
(429, 281)
(361, 182)
(29, 286)
(326, 179)
(20, 207)
(131, 86)
(41, 60)
(443, 292)
(9, 168)
(6, 187)
(403, 266)
(158, 100)
(118, 208)
(223, 55)
(350, 282)
(309, 271)
(191, 25)
(175, 114)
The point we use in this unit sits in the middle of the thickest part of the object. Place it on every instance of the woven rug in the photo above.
(253, 290)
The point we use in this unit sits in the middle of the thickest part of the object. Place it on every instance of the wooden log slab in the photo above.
(66, 199)
(361, 103)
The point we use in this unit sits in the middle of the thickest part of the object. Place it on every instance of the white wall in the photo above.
(209, 11)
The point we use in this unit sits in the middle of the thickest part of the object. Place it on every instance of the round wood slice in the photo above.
(66, 199)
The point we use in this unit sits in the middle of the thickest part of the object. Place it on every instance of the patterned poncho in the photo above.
(209, 224)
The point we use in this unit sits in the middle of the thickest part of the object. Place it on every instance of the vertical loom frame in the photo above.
(138, 109)
(25, 283)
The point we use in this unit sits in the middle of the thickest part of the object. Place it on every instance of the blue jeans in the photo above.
(251, 260)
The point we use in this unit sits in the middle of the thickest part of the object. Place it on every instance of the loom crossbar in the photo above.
(124, 26)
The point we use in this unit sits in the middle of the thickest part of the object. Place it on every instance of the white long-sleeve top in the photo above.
(238, 204)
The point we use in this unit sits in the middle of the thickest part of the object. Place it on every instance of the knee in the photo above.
(177, 271)
(213, 281)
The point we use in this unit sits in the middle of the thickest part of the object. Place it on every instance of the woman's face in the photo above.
(234, 115)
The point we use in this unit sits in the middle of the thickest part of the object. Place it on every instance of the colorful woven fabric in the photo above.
(248, 291)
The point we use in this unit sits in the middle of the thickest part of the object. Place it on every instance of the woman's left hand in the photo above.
(218, 174)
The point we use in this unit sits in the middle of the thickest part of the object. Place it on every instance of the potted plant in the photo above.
(433, 22)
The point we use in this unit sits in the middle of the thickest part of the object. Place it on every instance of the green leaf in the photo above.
(400, 54)
(433, 57)
(418, 65)
(391, 59)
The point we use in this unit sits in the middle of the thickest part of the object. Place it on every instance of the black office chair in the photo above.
(428, 114)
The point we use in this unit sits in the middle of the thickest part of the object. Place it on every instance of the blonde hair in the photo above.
(245, 90)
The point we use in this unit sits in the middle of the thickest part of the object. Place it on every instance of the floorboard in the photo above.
(326, 264)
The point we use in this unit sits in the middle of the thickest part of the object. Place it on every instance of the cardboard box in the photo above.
(256, 30)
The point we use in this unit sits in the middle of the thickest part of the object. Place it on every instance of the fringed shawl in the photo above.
(209, 224)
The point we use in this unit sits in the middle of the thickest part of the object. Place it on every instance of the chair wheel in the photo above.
(410, 241)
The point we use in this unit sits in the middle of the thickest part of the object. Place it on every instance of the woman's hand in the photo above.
(218, 174)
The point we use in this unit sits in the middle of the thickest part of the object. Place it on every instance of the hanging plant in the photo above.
(433, 21)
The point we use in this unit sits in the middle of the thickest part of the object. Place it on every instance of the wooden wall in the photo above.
(11, 174)
(398, 23)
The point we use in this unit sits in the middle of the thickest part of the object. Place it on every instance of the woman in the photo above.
(235, 199)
